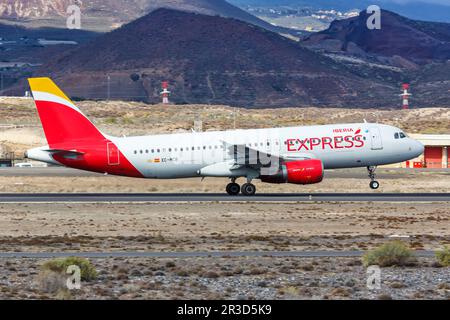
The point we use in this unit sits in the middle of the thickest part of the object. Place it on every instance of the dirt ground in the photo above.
(216, 226)
(228, 278)
(20, 128)
(355, 180)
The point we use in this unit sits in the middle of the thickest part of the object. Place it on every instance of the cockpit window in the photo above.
(402, 135)
(396, 135)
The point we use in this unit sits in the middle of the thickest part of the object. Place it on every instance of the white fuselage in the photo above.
(337, 146)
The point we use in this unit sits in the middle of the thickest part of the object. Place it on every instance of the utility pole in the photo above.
(109, 86)
(234, 118)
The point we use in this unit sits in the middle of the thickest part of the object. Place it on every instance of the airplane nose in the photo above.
(419, 148)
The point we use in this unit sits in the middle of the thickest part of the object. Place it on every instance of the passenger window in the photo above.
(146, 150)
(204, 147)
(135, 152)
(158, 150)
(170, 149)
(140, 151)
(153, 150)
(396, 135)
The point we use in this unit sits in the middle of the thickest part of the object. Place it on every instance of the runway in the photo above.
(198, 254)
(217, 197)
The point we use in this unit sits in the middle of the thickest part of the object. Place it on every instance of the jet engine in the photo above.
(298, 172)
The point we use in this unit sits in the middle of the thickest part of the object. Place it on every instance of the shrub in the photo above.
(50, 281)
(384, 296)
(394, 253)
(134, 76)
(63, 294)
(443, 257)
(111, 120)
(88, 271)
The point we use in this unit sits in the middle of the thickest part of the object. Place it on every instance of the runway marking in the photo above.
(195, 254)
(214, 197)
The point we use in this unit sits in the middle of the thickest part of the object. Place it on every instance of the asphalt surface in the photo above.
(204, 254)
(217, 197)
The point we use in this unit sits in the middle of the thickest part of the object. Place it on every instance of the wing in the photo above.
(244, 156)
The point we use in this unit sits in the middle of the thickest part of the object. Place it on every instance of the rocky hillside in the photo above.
(33, 8)
(123, 11)
(415, 41)
(209, 59)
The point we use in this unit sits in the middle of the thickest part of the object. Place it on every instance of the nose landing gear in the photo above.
(373, 183)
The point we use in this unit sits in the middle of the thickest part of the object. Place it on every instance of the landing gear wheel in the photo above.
(374, 184)
(233, 189)
(248, 189)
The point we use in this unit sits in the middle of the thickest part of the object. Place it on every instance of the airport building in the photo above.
(436, 155)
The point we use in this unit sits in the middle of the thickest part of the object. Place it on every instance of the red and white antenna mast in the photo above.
(405, 96)
(165, 92)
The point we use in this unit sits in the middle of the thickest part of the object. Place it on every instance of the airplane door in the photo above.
(113, 154)
(375, 136)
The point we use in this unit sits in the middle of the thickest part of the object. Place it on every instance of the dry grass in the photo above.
(134, 118)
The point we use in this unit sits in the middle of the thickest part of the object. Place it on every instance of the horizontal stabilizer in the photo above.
(64, 152)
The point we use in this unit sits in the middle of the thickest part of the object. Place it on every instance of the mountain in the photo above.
(209, 59)
(116, 12)
(33, 8)
(416, 41)
(425, 10)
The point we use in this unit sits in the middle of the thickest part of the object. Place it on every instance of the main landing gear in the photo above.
(247, 189)
(373, 183)
(233, 189)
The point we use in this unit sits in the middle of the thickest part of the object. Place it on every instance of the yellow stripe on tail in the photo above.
(48, 86)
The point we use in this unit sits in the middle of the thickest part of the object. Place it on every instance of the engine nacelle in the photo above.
(299, 172)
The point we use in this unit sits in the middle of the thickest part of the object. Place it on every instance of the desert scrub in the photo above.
(111, 120)
(394, 253)
(88, 271)
(443, 257)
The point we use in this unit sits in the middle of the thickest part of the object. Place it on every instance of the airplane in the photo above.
(297, 155)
